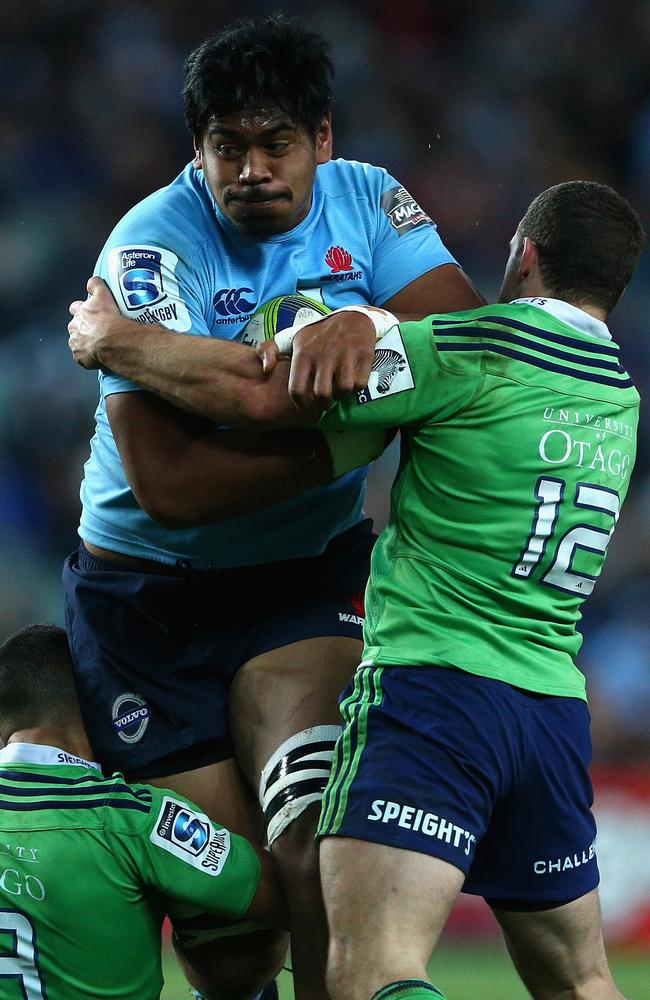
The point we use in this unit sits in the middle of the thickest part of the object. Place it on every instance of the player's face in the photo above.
(511, 286)
(260, 166)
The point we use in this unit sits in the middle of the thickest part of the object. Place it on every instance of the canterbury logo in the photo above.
(387, 364)
(233, 301)
(338, 259)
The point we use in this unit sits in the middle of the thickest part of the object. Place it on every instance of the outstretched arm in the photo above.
(216, 379)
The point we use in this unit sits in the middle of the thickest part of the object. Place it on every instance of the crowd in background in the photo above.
(474, 107)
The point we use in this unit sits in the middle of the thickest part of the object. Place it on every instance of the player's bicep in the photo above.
(442, 289)
(151, 437)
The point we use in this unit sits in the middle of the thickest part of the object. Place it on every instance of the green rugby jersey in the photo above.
(518, 440)
(85, 865)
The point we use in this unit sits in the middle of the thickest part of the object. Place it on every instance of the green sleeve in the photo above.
(180, 852)
(409, 384)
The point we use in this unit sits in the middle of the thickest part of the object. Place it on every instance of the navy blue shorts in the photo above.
(486, 776)
(155, 652)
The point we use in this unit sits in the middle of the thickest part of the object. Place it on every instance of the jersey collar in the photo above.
(571, 315)
(38, 753)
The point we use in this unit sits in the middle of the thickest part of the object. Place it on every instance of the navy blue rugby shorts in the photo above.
(487, 776)
(155, 652)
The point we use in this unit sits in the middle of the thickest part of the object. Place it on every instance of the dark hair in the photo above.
(589, 239)
(256, 62)
(36, 681)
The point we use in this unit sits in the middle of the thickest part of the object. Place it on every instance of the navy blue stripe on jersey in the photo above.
(47, 779)
(511, 338)
(15, 805)
(107, 789)
(539, 363)
(600, 346)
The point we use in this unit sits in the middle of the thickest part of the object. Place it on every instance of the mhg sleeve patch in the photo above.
(403, 211)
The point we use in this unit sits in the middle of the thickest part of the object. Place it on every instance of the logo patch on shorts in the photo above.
(143, 281)
(190, 836)
(390, 372)
(131, 716)
(403, 211)
(422, 821)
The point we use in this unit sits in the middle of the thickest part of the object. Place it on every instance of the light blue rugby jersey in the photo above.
(176, 259)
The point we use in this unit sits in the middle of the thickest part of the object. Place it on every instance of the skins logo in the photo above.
(390, 372)
(131, 716)
(387, 364)
(338, 259)
(234, 302)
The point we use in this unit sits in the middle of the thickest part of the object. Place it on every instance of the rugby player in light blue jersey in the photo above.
(196, 569)
(463, 764)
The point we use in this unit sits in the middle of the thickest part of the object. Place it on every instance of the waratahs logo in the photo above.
(338, 259)
(358, 603)
(234, 304)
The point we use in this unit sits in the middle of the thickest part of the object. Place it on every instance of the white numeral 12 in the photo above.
(550, 496)
(22, 964)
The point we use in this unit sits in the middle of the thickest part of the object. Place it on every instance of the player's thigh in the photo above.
(560, 952)
(386, 907)
(288, 691)
(222, 792)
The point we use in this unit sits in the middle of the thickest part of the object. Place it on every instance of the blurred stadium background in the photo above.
(475, 108)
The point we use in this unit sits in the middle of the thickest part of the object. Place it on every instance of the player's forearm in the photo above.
(227, 474)
(216, 379)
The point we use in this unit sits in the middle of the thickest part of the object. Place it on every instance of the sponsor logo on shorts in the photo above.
(421, 821)
(131, 716)
(390, 372)
(190, 835)
(549, 866)
(359, 617)
(403, 211)
(234, 305)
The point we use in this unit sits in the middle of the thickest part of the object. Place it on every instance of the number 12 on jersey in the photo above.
(550, 495)
(22, 963)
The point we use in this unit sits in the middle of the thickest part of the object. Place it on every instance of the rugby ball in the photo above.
(281, 313)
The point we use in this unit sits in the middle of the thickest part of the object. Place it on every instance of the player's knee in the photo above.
(354, 971)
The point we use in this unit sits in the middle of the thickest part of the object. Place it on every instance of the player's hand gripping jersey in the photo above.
(176, 259)
(85, 865)
(519, 436)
